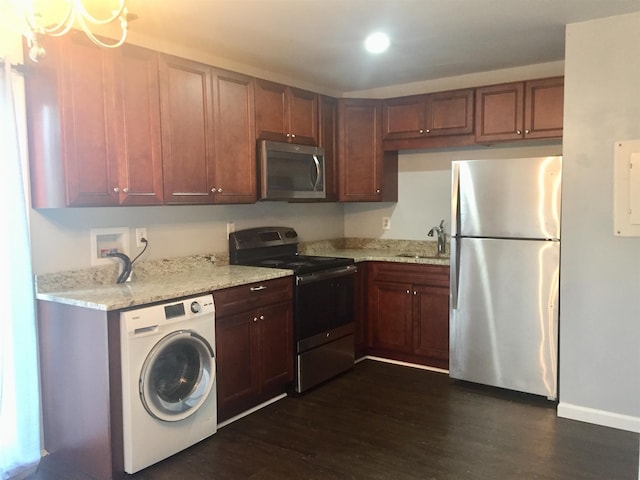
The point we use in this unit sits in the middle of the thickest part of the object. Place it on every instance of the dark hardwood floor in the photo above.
(383, 421)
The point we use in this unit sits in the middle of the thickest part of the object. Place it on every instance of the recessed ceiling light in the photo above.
(377, 42)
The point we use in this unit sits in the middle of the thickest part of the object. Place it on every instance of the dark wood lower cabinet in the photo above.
(254, 344)
(408, 313)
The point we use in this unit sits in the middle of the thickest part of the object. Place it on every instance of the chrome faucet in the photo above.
(442, 236)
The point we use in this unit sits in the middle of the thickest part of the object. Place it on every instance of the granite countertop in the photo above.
(161, 287)
(168, 279)
(386, 255)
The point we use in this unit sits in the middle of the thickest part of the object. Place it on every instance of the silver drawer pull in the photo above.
(257, 289)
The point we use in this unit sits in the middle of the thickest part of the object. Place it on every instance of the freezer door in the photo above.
(504, 327)
(517, 197)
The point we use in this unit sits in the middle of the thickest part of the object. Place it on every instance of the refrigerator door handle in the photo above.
(455, 272)
(455, 200)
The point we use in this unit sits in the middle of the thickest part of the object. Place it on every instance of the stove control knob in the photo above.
(195, 307)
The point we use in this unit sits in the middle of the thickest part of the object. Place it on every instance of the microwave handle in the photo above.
(317, 165)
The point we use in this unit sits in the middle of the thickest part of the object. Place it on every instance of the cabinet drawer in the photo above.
(413, 273)
(246, 297)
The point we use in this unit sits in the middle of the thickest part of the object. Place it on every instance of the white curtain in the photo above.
(19, 394)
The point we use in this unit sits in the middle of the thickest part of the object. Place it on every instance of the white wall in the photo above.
(600, 273)
(61, 239)
(424, 198)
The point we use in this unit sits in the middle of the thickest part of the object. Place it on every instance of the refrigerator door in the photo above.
(504, 327)
(517, 197)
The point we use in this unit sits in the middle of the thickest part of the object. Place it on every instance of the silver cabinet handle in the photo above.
(527, 131)
(125, 190)
(257, 289)
(116, 189)
(421, 131)
(428, 131)
(408, 292)
(261, 317)
(519, 132)
(255, 319)
(415, 293)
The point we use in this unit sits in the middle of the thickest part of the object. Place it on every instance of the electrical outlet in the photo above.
(141, 233)
(231, 227)
(386, 223)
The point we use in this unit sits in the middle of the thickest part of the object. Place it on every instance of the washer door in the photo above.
(177, 376)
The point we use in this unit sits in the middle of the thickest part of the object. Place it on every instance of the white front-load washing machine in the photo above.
(168, 379)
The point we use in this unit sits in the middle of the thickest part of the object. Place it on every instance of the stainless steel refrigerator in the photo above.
(505, 252)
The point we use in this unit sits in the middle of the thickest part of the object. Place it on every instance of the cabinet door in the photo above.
(544, 104)
(390, 316)
(302, 116)
(271, 111)
(449, 113)
(404, 117)
(234, 169)
(87, 104)
(275, 324)
(360, 150)
(187, 130)
(328, 132)
(431, 324)
(236, 363)
(138, 126)
(500, 112)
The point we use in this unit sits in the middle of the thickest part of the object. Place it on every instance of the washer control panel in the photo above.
(152, 317)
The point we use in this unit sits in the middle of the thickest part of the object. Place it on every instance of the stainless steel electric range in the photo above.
(323, 300)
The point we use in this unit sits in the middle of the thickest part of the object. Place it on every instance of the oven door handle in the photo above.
(325, 274)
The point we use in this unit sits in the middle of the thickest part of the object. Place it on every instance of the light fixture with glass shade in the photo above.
(75, 13)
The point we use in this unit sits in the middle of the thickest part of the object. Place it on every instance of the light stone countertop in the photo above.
(384, 255)
(162, 287)
(169, 279)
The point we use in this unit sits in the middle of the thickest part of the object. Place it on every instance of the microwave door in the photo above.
(292, 175)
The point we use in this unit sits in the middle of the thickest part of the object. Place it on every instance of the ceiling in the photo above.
(320, 41)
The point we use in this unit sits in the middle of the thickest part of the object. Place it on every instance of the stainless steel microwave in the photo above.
(289, 171)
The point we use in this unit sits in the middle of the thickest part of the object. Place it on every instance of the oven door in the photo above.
(324, 303)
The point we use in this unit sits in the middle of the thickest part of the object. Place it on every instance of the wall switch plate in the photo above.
(141, 233)
(386, 223)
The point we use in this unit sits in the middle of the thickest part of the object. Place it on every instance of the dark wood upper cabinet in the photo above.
(187, 130)
(234, 169)
(286, 114)
(207, 134)
(367, 173)
(443, 113)
(328, 141)
(544, 107)
(138, 127)
(520, 110)
(93, 123)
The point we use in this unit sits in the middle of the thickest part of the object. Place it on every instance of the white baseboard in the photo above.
(404, 364)
(599, 417)
(251, 410)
